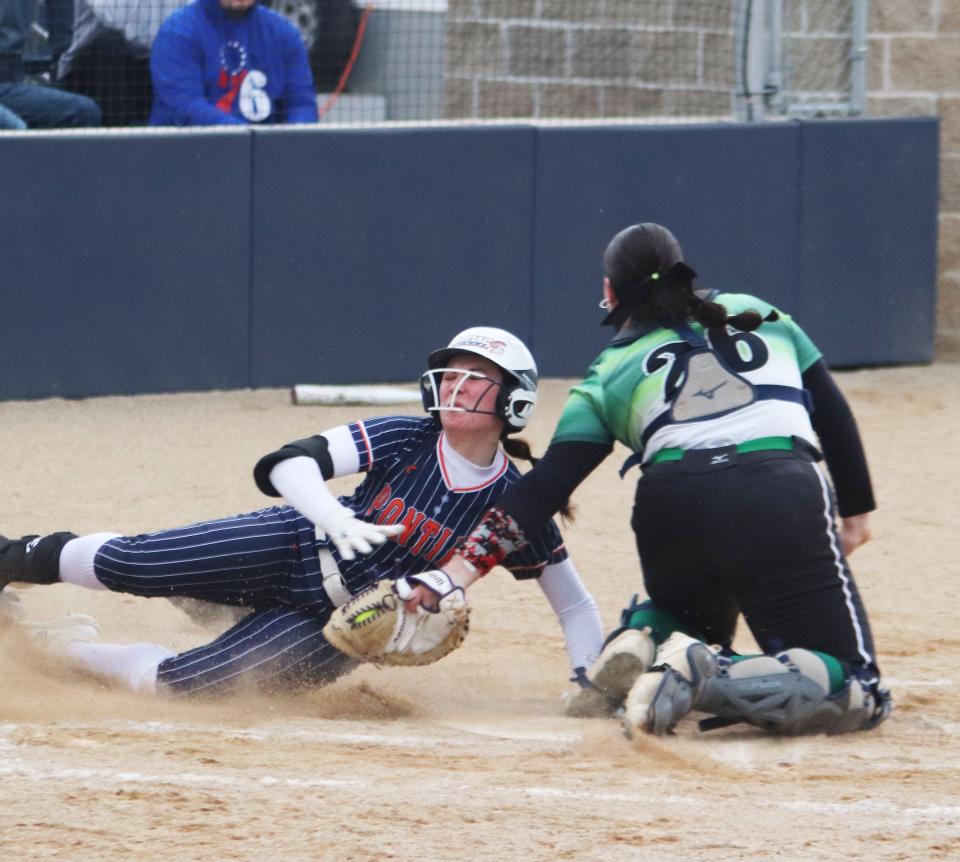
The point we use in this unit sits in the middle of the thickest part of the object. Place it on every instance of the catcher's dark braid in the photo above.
(645, 266)
(518, 448)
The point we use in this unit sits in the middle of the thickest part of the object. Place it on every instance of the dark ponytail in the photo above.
(519, 449)
(644, 263)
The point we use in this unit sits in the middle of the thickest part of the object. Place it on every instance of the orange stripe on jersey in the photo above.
(366, 442)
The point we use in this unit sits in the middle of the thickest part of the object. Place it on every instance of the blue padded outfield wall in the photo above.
(265, 257)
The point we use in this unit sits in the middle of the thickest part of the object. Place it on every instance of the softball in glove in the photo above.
(375, 626)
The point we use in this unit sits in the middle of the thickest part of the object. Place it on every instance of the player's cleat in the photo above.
(55, 636)
(32, 559)
(605, 687)
(663, 696)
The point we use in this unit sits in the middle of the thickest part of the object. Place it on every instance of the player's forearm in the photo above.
(841, 443)
(491, 541)
(461, 572)
(299, 482)
(576, 611)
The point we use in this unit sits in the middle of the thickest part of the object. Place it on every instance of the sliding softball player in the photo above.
(427, 480)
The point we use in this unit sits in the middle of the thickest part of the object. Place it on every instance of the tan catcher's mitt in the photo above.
(374, 626)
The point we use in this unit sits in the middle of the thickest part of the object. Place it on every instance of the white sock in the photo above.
(132, 666)
(76, 560)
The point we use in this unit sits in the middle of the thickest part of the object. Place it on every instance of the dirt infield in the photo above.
(471, 759)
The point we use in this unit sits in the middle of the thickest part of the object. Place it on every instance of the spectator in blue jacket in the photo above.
(230, 62)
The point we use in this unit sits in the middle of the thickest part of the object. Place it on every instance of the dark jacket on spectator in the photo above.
(16, 19)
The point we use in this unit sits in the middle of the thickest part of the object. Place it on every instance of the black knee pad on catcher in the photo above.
(32, 559)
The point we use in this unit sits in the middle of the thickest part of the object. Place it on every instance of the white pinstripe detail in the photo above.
(177, 540)
(838, 563)
(182, 587)
(231, 522)
(250, 668)
(131, 568)
(178, 691)
(239, 633)
(234, 639)
(388, 427)
(131, 555)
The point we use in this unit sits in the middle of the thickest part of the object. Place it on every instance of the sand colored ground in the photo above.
(471, 759)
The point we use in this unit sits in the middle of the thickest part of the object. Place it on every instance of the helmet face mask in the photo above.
(433, 379)
(517, 395)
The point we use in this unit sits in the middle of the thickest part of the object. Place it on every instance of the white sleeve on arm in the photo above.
(343, 451)
(299, 481)
(576, 610)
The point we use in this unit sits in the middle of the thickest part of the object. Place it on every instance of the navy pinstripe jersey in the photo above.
(408, 482)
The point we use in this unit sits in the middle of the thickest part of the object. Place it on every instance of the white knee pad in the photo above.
(758, 665)
(809, 664)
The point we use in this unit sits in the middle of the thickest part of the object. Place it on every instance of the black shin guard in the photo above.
(32, 559)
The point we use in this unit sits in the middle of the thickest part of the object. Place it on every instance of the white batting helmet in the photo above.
(518, 392)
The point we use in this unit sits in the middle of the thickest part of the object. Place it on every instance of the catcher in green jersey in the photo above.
(713, 392)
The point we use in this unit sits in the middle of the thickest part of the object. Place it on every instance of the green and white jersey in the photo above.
(628, 388)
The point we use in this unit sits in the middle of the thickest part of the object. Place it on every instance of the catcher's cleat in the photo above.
(55, 636)
(604, 690)
(32, 559)
(662, 697)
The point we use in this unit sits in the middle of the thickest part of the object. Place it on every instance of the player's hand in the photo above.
(424, 590)
(854, 531)
(420, 597)
(353, 536)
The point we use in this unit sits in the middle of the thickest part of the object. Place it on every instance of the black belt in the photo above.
(723, 456)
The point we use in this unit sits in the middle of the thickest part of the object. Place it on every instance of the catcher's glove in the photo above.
(374, 626)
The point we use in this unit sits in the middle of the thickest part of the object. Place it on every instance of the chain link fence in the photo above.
(468, 60)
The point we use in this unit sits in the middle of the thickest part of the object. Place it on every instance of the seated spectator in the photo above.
(109, 57)
(219, 62)
(37, 105)
(9, 120)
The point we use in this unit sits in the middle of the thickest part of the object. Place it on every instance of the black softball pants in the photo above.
(751, 533)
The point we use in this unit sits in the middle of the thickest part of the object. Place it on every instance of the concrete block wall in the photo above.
(915, 71)
(589, 59)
